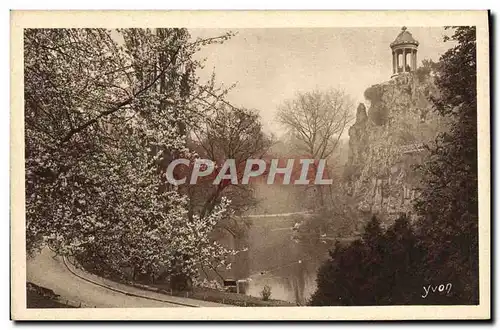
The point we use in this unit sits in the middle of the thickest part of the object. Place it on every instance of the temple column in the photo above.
(400, 60)
(415, 58)
(394, 62)
(411, 59)
(404, 59)
(397, 60)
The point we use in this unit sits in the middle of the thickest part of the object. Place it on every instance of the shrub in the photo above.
(266, 292)
(382, 268)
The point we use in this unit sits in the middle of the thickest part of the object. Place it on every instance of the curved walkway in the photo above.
(75, 284)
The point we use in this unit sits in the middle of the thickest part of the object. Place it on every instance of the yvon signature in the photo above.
(439, 288)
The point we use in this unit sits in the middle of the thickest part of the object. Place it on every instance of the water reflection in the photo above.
(296, 285)
(275, 259)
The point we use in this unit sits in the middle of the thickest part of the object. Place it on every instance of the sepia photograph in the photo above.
(261, 168)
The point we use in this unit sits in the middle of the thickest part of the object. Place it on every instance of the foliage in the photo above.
(428, 67)
(105, 111)
(229, 133)
(266, 293)
(448, 204)
(377, 270)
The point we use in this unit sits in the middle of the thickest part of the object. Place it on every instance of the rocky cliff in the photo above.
(385, 142)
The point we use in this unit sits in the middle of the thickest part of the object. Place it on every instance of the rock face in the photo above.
(358, 140)
(387, 141)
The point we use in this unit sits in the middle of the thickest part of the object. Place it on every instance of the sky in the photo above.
(270, 65)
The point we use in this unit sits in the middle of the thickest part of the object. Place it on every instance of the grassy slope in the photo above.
(36, 300)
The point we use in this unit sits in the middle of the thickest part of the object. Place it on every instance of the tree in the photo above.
(381, 269)
(373, 231)
(105, 110)
(315, 122)
(230, 133)
(448, 204)
(424, 71)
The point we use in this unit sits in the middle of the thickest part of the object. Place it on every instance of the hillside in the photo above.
(387, 140)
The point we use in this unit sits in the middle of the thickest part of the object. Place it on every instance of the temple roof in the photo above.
(404, 37)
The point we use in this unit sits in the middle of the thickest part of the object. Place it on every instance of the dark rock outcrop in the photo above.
(387, 141)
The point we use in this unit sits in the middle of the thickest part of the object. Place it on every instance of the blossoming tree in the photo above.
(104, 112)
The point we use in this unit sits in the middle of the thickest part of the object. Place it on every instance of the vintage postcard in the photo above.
(267, 165)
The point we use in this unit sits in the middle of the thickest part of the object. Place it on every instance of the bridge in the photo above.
(411, 148)
(295, 227)
(277, 215)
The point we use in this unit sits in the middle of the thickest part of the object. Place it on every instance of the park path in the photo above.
(90, 290)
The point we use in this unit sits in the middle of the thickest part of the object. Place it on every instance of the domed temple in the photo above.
(404, 53)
